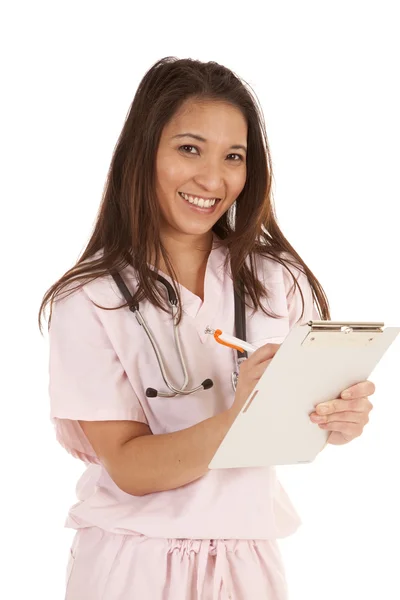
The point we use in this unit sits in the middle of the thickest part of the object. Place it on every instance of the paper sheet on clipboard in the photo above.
(316, 362)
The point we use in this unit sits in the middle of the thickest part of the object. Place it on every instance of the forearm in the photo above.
(155, 463)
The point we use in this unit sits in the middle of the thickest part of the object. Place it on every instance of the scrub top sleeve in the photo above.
(86, 379)
(294, 300)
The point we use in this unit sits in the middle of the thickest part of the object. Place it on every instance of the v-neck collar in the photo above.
(192, 305)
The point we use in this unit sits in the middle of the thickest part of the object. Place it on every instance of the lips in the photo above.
(199, 201)
(197, 204)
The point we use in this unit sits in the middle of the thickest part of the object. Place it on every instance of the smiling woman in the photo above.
(204, 176)
(188, 197)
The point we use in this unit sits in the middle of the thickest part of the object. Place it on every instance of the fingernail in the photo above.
(346, 395)
(317, 419)
(323, 408)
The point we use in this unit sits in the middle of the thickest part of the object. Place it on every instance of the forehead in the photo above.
(214, 119)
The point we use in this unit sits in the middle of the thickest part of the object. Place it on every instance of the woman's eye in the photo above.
(185, 147)
(188, 150)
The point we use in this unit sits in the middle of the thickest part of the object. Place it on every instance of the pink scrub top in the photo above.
(101, 363)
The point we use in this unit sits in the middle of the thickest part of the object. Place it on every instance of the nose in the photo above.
(210, 176)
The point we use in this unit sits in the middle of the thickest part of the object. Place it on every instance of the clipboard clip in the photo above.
(343, 333)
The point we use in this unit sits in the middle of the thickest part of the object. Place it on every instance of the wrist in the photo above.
(233, 412)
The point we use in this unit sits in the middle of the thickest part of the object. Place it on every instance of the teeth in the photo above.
(201, 202)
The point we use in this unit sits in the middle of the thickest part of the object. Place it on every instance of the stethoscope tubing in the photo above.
(173, 301)
(175, 391)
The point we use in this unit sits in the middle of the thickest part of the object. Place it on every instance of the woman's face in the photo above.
(201, 166)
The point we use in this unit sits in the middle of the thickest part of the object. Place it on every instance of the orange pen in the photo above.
(230, 341)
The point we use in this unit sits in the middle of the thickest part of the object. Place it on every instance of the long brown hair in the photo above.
(127, 225)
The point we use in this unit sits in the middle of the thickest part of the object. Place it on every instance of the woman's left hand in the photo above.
(345, 417)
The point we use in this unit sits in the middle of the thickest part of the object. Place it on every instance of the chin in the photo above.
(195, 229)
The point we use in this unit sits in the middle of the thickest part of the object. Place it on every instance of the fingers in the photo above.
(344, 417)
(249, 375)
(364, 388)
(253, 372)
(253, 368)
(266, 352)
(338, 406)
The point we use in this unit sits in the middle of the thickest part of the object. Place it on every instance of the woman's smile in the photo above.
(199, 203)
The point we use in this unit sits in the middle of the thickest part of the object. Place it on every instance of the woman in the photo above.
(188, 197)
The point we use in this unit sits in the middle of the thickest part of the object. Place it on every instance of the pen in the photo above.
(230, 341)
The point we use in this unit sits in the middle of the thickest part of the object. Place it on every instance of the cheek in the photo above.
(238, 182)
(171, 174)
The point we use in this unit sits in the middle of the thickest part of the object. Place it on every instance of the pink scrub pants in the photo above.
(109, 566)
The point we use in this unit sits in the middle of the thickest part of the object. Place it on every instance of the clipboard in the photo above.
(315, 363)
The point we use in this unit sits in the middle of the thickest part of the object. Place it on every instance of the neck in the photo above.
(187, 248)
(189, 256)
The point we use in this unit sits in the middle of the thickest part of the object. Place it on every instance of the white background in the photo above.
(326, 75)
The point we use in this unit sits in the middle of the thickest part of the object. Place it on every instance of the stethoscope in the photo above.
(240, 328)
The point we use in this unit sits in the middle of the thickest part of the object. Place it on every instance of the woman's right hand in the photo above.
(250, 372)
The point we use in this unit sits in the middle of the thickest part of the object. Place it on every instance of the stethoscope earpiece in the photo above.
(151, 393)
(207, 384)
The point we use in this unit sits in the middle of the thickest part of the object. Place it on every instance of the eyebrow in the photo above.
(201, 139)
